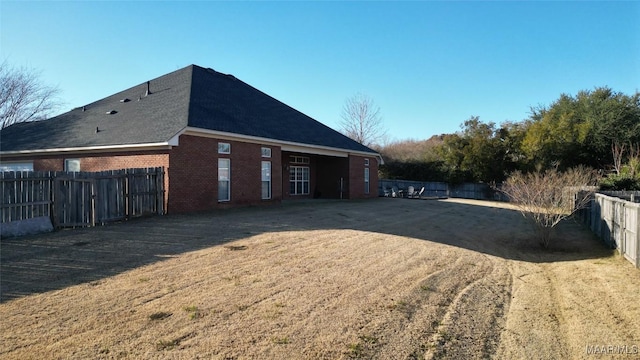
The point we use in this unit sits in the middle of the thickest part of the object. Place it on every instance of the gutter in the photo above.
(93, 149)
(283, 144)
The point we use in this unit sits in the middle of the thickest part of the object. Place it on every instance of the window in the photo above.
(224, 148)
(266, 152)
(299, 180)
(366, 180)
(266, 179)
(366, 162)
(72, 165)
(224, 177)
(298, 159)
(16, 166)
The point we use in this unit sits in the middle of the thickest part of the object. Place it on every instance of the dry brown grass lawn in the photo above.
(380, 279)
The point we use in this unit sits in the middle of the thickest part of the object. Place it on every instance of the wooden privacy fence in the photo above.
(617, 222)
(73, 199)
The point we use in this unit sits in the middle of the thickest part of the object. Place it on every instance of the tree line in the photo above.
(598, 128)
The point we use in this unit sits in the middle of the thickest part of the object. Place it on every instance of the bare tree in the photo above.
(23, 96)
(617, 150)
(634, 160)
(361, 120)
(548, 197)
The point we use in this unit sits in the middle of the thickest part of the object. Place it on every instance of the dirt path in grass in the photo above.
(380, 279)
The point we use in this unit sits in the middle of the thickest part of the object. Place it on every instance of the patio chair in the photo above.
(395, 192)
(387, 192)
(415, 194)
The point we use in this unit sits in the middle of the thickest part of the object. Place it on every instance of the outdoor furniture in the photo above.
(395, 192)
(413, 194)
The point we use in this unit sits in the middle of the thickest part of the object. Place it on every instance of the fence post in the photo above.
(160, 190)
(128, 199)
(637, 238)
(92, 206)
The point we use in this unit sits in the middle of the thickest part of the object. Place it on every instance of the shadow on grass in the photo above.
(46, 262)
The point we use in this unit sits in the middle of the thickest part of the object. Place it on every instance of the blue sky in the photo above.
(429, 66)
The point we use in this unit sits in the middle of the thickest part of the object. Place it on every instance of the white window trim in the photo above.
(266, 152)
(17, 166)
(367, 188)
(268, 180)
(300, 181)
(70, 168)
(299, 159)
(224, 148)
(228, 180)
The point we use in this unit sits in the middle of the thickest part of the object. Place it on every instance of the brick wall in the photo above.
(356, 177)
(194, 174)
(330, 171)
(191, 172)
(101, 162)
(108, 161)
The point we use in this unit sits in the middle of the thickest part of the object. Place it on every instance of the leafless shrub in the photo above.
(548, 197)
(617, 150)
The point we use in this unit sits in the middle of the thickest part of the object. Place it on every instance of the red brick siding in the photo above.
(194, 174)
(276, 173)
(191, 172)
(356, 177)
(330, 170)
(48, 164)
(108, 161)
(101, 162)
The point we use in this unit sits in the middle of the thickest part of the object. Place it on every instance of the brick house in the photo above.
(221, 141)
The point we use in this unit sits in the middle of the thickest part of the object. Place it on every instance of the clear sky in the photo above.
(429, 66)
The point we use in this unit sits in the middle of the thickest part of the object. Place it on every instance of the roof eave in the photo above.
(284, 145)
(94, 149)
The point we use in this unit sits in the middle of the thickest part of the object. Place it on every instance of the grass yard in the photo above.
(379, 279)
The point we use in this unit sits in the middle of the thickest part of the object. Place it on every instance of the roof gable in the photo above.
(224, 103)
(190, 97)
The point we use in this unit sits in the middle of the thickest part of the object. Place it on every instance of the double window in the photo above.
(299, 180)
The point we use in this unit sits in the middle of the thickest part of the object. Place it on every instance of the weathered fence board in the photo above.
(617, 223)
(75, 199)
(25, 195)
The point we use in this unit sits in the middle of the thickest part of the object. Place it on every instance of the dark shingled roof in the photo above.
(192, 96)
